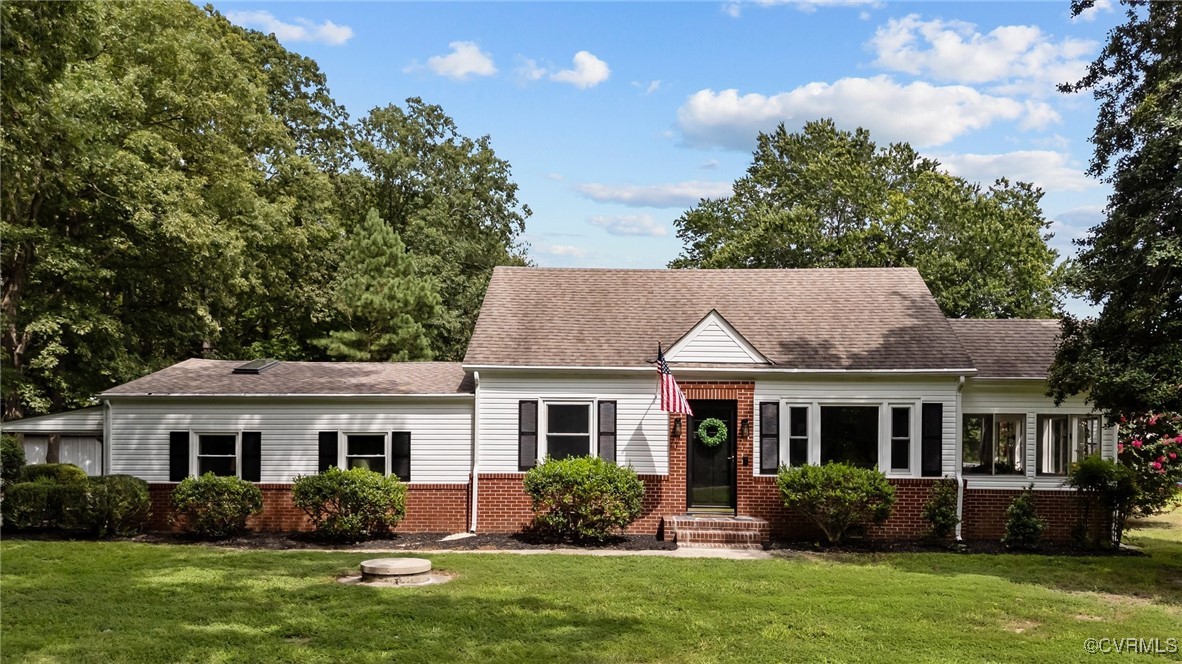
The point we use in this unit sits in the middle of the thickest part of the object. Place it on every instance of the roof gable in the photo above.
(714, 340)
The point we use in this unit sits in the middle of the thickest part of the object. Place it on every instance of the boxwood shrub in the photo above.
(940, 509)
(583, 498)
(350, 505)
(837, 496)
(48, 495)
(215, 507)
(12, 459)
(113, 505)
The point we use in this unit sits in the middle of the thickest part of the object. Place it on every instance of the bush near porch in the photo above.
(583, 498)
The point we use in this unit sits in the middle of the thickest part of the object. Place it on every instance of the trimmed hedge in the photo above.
(48, 495)
(583, 498)
(12, 459)
(215, 507)
(114, 505)
(837, 496)
(350, 505)
(66, 473)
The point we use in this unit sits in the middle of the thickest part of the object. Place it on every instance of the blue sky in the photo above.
(617, 117)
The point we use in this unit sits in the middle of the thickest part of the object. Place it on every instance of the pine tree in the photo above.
(384, 305)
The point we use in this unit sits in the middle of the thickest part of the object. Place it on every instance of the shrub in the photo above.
(215, 507)
(1151, 446)
(940, 509)
(65, 473)
(1106, 491)
(1023, 526)
(837, 496)
(12, 459)
(583, 498)
(42, 503)
(114, 504)
(352, 504)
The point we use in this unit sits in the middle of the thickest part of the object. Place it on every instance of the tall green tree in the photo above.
(825, 197)
(449, 197)
(1128, 359)
(384, 305)
(148, 185)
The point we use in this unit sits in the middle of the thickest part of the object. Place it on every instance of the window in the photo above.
(993, 445)
(798, 435)
(366, 450)
(901, 438)
(1063, 440)
(568, 430)
(217, 453)
(850, 434)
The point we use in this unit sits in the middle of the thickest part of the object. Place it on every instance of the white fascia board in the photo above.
(737, 369)
(714, 317)
(297, 395)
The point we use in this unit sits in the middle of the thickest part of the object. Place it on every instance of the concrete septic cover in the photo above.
(397, 572)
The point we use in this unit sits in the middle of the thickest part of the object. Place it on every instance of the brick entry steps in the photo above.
(717, 532)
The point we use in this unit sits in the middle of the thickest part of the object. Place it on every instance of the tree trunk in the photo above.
(53, 449)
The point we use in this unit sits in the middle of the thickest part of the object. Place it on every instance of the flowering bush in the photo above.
(1151, 445)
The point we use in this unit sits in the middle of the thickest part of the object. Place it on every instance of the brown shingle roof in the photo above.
(197, 377)
(1011, 348)
(860, 319)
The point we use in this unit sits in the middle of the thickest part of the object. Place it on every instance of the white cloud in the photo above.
(920, 113)
(1053, 171)
(630, 224)
(673, 195)
(301, 30)
(530, 70)
(732, 9)
(466, 59)
(653, 86)
(1015, 58)
(812, 5)
(565, 250)
(588, 72)
(557, 177)
(1088, 15)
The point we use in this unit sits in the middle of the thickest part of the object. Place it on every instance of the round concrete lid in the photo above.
(395, 566)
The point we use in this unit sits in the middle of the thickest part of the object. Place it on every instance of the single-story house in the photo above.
(802, 366)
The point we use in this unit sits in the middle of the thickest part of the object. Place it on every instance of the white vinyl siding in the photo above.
(885, 392)
(712, 342)
(83, 420)
(441, 432)
(1029, 399)
(642, 439)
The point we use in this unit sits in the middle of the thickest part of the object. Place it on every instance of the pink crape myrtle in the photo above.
(1150, 446)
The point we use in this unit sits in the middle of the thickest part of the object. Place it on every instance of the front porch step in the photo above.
(717, 532)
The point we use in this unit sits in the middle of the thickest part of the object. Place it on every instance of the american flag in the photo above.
(672, 398)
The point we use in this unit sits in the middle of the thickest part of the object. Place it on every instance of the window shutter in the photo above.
(932, 437)
(527, 434)
(328, 451)
(178, 455)
(769, 437)
(607, 430)
(400, 454)
(252, 456)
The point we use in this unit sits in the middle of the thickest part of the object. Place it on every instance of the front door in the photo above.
(712, 467)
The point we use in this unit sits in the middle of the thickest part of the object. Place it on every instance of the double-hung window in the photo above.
(798, 435)
(567, 429)
(900, 444)
(217, 453)
(366, 450)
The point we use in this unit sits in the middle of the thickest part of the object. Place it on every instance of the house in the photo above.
(802, 366)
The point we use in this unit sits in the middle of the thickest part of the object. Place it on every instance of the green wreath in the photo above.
(712, 439)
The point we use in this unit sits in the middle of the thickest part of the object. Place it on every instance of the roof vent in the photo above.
(255, 366)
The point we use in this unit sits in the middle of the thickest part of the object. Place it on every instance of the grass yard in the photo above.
(123, 602)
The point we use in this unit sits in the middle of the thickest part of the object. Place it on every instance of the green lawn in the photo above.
(121, 602)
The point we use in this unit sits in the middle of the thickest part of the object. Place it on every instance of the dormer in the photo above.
(714, 341)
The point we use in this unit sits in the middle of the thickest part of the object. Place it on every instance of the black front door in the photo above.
(712, 468)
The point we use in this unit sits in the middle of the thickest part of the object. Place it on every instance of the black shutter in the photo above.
(527, 434)
(252, 456)
(328, 451)
(400, 454)
(178, 455)
(769, 437)
(932, 436)
(607, 430)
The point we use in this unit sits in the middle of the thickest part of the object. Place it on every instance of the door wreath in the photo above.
(712, 431)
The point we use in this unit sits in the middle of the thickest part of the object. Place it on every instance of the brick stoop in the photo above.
(717, 532)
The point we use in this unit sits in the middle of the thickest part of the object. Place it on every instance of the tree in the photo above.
(825, 197)
(449, 197)
(1128, 358)
(383, 303)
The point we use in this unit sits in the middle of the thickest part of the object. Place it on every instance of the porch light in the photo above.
(745, 428)
(676, 427)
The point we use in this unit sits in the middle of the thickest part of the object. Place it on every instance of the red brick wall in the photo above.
(429, 508)
(985, 513)
(504, 506)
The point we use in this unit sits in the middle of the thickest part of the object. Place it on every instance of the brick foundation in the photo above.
(429, 508)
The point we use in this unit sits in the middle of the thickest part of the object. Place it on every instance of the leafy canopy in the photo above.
(825, 197)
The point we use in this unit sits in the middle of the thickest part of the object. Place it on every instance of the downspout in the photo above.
(957, 460)
(475, 446)
(106, 456)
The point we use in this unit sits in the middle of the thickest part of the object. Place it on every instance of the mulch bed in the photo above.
(923, 546)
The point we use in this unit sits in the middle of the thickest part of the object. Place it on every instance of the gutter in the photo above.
(105, 470)
(291, 395)
(960, 481)
(475, 448)
(739, 369)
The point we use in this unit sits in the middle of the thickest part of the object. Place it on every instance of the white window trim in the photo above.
(195, 451)
(1073, 442)
(889, 439)
(884, 433)
(786, 431)
(592, 422)
(1041, 482)
(343, 448)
